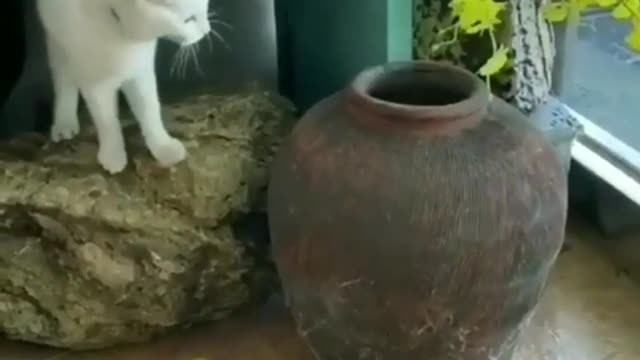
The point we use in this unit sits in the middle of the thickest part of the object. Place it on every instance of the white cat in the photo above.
(98, 47)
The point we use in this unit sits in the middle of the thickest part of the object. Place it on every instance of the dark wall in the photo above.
(251, 57)
(11, 27)
(19, 73)
(324, 44)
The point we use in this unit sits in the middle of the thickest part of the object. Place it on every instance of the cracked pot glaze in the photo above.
(414, 218)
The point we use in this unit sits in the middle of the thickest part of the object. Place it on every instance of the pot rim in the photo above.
(472, 107)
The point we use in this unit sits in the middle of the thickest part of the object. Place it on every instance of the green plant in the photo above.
(626, 10)
(428, 41)
(483, 16)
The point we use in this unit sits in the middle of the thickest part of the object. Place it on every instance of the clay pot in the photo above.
(412, 218)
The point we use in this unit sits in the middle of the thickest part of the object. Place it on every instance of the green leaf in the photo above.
(633, 39)
(496, 62)
(607, 3)
(626, 9)
(556, 12)
(477, 15)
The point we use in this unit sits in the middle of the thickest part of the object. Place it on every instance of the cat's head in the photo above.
(183, 21)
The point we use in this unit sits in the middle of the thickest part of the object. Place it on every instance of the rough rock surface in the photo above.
(89, 260)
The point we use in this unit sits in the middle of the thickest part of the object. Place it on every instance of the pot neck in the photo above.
(421, 95)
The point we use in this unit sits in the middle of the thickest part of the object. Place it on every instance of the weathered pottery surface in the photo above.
(412, 218)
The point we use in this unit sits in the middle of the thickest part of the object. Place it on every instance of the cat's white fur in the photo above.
(98, 47)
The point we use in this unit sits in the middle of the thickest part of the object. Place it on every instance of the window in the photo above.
(600, 82)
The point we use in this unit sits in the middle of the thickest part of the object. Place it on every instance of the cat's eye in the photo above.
(190, 19)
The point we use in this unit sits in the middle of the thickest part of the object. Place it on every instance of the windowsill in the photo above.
(607, 157)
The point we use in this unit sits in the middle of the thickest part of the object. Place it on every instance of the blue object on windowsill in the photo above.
(559, 126)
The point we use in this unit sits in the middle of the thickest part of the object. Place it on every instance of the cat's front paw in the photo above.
(169, 152)
(64, 130)
(111, 159)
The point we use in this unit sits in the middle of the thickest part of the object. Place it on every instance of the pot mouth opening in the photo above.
(422, 86)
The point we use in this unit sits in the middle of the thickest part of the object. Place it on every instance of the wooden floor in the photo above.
(591, 311)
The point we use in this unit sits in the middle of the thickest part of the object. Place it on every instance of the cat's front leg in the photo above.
(142, 94)
(102, 103)
(65, 110)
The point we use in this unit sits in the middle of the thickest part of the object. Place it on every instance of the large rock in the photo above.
(89, 260)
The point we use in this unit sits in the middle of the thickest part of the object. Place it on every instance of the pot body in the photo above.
(405, 232)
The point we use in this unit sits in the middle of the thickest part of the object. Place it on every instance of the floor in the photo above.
(591, 311)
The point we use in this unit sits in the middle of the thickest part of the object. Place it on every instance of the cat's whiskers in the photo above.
(182, 59)
(180, 62)
(219, 37)
(194, 54)
(213, 20)
(175, 63)
(184, 63)
(187, 54)
(209, 41)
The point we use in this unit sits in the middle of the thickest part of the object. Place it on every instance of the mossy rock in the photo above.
(90, 260)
